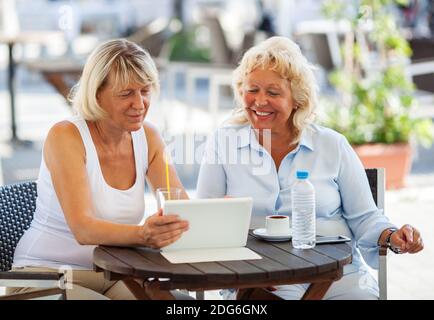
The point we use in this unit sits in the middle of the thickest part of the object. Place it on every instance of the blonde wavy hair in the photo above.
(283, 56)
(126, 61)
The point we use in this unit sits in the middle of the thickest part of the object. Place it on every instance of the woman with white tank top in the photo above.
(91, 182)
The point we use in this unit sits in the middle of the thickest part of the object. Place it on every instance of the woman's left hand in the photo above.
(407, 239)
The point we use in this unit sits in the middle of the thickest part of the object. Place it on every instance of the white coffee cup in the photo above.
(277, 224)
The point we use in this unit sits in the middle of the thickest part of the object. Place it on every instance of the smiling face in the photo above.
(267, 100)
(126, 106)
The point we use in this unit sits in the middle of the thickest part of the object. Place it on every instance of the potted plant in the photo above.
(375, 103)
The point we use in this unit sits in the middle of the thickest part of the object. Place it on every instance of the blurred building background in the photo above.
(196, 44)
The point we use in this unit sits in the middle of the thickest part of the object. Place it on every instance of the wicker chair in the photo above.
(17, 205)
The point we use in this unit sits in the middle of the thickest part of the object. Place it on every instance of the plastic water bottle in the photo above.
(303, 212)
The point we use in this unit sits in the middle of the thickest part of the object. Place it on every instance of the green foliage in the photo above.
(334, 8)
(374, 105)
(185, 47)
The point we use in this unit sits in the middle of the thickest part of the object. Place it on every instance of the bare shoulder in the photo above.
(153, 136)
(155, 141)
(63, 139)
(151, 131)
(63, 132)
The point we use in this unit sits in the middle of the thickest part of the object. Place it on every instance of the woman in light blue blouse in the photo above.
(270, 136)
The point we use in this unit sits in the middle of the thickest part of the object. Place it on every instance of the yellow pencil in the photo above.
(166, 158)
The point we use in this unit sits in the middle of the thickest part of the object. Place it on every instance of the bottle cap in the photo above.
(302, 174)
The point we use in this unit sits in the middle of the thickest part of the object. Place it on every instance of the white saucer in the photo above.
(262, 233)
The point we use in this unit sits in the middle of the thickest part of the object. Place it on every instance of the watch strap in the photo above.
(389, 245)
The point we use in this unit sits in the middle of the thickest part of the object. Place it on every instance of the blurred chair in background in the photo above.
(153, 36)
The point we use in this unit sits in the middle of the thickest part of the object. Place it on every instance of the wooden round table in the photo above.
(280, 264)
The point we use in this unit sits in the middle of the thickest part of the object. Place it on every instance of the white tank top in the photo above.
(49, 241)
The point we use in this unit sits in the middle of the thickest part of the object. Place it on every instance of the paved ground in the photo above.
(38, 107)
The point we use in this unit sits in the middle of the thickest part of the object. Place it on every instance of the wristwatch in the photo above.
(389, 245)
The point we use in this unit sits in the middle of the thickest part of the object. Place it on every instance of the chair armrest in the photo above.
(383, 251)
(382, 273)
(55, 293)
(32, 279)
(17, 275)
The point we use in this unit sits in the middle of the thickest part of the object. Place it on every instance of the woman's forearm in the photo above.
(99, 232)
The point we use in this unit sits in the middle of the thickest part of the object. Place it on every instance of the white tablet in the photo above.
(213, 223)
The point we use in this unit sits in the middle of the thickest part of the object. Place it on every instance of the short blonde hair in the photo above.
(283, 56)
(125, 60)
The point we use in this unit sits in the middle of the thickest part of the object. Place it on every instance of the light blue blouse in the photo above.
(235, 164)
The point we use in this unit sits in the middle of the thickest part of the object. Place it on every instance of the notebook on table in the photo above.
(218, 230)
